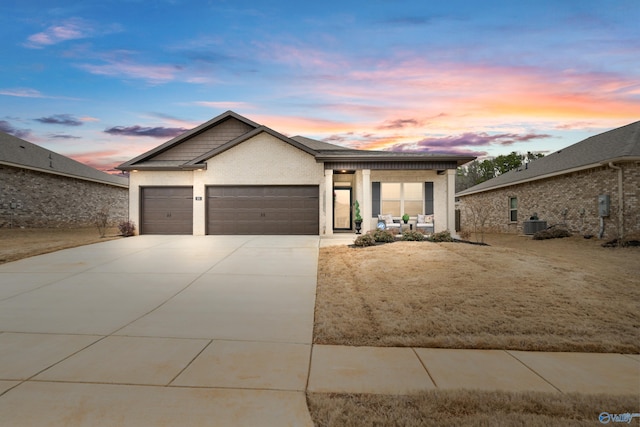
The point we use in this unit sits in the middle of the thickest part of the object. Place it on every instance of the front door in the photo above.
(342, 209)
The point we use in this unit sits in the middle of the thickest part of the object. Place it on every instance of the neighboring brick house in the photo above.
(231, 175)
(43, 189)
(565, 188)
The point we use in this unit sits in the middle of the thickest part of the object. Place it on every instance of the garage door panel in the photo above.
(166, 210)
(262, 210)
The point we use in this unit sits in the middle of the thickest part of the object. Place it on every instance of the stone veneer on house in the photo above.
(569, 199)
(42, 200)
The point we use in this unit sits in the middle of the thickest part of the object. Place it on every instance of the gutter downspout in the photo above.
(620, 201)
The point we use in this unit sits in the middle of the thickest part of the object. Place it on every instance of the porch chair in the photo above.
(389, 223)
(425, 224)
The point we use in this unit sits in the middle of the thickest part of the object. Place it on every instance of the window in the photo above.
(400, 198)
(391, 200)
(513, 209)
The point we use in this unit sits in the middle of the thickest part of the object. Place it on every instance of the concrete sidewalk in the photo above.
(378, 370)
(217, 330)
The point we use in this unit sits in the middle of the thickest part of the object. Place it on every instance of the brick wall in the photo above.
(569, 199)
(46, 200)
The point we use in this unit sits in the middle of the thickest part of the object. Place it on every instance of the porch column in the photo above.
(365, 205)
(328, 202)
(451, 201)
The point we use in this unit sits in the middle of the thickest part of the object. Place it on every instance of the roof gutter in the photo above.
(373, 158)
(68, 175)
(548, 175)
(185, 167)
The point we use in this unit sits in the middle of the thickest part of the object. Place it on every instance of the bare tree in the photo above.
(478, 210)
(102, 220)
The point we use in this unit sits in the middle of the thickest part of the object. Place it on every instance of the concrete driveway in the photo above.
(159, 330)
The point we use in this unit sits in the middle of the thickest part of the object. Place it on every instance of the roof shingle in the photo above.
(20, 153)
(620, 144)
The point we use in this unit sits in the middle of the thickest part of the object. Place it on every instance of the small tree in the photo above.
(102, 220)
(478, 210)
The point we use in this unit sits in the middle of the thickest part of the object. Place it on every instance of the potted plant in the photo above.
(405, 218)
(358, 219)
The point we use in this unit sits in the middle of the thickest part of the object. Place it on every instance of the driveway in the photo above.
(159, 330)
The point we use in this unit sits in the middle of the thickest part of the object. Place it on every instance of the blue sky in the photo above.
(105, 81)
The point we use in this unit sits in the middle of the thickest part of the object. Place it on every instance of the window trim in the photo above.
(402, 196)
(513, 210)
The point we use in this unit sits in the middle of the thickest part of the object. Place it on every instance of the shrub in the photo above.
(364, 240)
(127, 228)
(412, 236)
(443, 236)
(384, 236)
(552, 233)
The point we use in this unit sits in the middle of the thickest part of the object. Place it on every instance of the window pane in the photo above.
(413, 207)
(413, 191)
(514, 202)
(391, 207)
(514, 216)
(390, 190)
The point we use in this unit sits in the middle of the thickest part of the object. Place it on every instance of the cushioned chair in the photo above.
(425, 223)
(389, 223)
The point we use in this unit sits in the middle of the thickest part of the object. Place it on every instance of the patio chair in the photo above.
(389, 222)
(425, 224)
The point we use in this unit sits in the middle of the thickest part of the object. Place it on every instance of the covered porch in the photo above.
(384, 191)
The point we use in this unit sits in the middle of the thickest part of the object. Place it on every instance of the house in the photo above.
(591, 187)
(40, 188)
(231, 175)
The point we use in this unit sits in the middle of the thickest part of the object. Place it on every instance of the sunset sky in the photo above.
(104, 81)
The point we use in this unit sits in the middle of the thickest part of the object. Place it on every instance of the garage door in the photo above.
(167, 210)
(282, 209)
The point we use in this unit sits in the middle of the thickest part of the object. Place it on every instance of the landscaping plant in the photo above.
(413, 236)
(364, 240)
(443, 236)
(102, 220)
(127, 228)
(384, 236)
(551, 233)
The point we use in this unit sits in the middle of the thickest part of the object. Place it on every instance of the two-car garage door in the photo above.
(277, 209)
(281, 209)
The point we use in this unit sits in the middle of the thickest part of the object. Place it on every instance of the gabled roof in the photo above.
(160, 158)
(183, 137)
(617, 145)
(337, 153)
(246, 136)
(19, 153)
(314, 144)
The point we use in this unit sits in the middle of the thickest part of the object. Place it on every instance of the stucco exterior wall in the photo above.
(139, 179)
(568, 199)
(261, 160)
(42, 200)
(264, 160)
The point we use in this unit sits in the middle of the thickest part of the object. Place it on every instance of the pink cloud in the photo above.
(71, 29)
(22, 93)
(124, 68)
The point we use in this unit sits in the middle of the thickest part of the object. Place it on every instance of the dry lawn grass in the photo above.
(465, 408)
(552, 295)
(18, 243)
